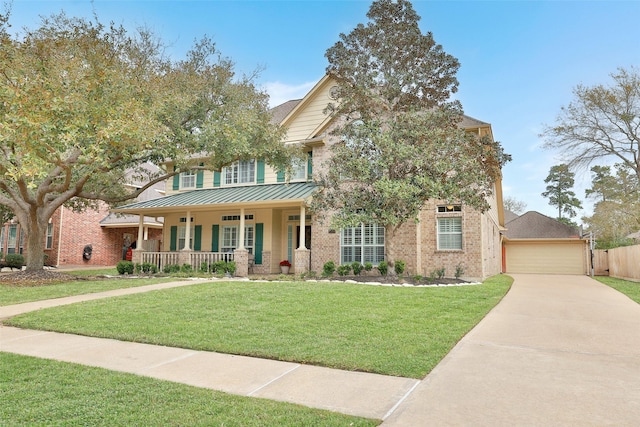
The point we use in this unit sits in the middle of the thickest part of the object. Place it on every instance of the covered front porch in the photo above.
(256, 227)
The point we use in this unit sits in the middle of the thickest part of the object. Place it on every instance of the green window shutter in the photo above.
(280, 176)
(216, 179)
(260, 170)
(176, 180)
(310, 165)
(199, 177)
(197, 239)
(174, 238)
(259, 243)
(215, 237)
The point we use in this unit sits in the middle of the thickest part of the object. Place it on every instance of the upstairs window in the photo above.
(188, 180)
(299, 172)
(242, 172)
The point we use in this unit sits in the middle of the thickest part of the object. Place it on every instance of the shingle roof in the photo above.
(281, 111)
(225, 195)
(534, 225)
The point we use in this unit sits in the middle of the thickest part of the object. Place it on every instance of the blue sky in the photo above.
(520, 59)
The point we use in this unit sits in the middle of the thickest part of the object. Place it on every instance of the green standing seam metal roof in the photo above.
(226, 195)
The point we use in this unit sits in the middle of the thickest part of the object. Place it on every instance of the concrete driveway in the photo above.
(557, 351)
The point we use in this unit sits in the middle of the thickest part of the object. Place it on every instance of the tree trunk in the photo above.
(36, 229)
(389, 234)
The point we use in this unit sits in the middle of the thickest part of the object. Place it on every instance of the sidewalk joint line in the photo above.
(273, 380)
(166, 362)
(399, 402)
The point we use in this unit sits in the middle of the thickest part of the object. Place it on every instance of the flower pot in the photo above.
(284, 269)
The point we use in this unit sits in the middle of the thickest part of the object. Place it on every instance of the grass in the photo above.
(44, 392)
(630, 289)
(403, 331)
(18, 294)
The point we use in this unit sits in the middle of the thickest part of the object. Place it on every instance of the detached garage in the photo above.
(535, 243)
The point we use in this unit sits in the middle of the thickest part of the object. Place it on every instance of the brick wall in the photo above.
(80, 229)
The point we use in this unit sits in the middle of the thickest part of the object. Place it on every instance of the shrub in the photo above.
(344, 269)
(368, 266)
(383, 268)
(218, 267)
(149, 268)
(14, 260)
(356, 267)
(399, 267)
(328, 269)
(230, 267)
(459, 271)
(440, 272)
(186, 268)
(125, 267)
(417, 278)
(171, 268)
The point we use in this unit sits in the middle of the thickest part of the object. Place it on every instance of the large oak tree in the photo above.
(84, 105)
(402, 143)
(601, 124)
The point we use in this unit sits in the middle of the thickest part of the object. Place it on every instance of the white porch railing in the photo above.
(196, 259)
(160, 259)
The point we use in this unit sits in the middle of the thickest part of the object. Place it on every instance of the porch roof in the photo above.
(207, 198)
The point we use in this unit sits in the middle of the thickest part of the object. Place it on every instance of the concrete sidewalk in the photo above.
(557, 351)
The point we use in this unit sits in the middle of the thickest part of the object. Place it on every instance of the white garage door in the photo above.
(546, 257)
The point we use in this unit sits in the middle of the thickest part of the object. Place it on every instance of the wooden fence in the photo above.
(623, 263)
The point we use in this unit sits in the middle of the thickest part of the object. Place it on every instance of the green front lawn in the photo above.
(18, 294)
(45, 393)
(630, 289)
(403, 331)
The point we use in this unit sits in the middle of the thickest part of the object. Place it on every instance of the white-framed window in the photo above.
(364, 243)
(48, 244)
(241, 172)
(230, 234)
(12, 239)
(299, 172)
(182, 236)
(450, 233)
(188, 180)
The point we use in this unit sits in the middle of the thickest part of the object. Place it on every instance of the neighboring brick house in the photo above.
(247, 212)
(68, 233)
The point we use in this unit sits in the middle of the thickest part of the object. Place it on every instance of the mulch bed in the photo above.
(35, 278)
(396, 280)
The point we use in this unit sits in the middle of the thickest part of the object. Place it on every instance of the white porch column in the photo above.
(302, 242)
(241, 231)
(302, 253)
(187, 233)
(140, 231)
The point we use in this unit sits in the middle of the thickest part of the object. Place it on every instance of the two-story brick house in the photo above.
(247, 212)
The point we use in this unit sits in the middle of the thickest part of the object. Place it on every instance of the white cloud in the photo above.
(282, 92)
